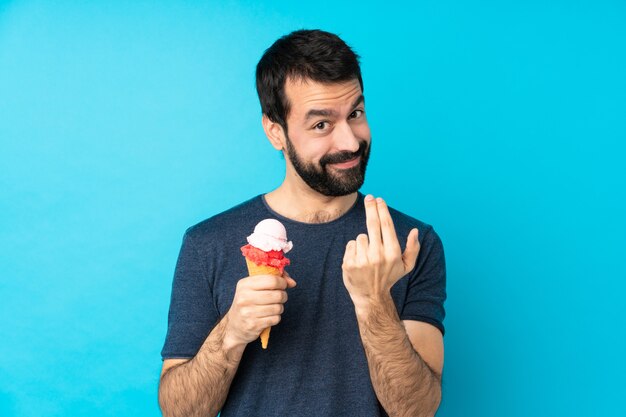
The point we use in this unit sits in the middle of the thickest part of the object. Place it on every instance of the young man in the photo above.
(362, 332)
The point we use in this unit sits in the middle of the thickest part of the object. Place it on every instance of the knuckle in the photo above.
(395, 258)
(247, 325)
(237, 301)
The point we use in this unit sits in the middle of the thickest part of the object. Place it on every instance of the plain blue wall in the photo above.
(121, 125)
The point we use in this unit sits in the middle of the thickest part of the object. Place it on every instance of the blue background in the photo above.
(500, 123)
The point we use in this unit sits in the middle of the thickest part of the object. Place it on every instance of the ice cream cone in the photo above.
(265, 254)
(254, 269)
(265, 337)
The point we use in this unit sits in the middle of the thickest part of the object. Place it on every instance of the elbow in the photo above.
(435, 401)
(167, 403)
(430, 403)
(174, 403)
(162, 399)
(430, 412)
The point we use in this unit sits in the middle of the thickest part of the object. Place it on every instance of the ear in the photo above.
(274, 133)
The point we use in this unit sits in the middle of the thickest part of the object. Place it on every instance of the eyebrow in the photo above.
(328, 113)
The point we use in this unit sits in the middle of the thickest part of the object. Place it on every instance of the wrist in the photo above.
(231, 344)
(364, 305)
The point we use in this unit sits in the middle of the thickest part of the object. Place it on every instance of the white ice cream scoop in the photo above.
(270, 234)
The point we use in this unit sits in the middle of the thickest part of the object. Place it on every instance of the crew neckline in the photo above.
(357, 202)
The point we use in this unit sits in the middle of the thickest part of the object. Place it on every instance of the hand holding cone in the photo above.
(264, 255)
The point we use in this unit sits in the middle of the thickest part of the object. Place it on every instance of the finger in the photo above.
(361, 249)
(290, 281)
(409, 257)
(269, 310)
(270, 297)
(270, 321)
(350, 252)
(390, 239)
(373, 223)
(266, 282)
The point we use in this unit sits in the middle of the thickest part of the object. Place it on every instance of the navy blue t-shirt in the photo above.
(315, 364)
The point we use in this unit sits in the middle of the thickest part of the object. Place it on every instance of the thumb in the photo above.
(409, 257)
(290, 281)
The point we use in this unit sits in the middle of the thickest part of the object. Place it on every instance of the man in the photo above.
(362, 332)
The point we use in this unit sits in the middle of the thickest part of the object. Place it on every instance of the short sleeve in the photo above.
(192, 312)
(426, 290)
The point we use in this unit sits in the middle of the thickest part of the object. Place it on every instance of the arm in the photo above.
(398, 356)
(199, 387)
(404, 382)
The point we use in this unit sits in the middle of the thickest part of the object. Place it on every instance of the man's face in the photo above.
(328, 138)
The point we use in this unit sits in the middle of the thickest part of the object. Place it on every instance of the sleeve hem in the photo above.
(428, 320)
(174, 356)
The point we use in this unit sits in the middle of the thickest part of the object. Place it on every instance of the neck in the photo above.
(303, 204)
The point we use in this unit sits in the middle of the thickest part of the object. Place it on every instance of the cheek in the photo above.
(310, 149)
(362, 131)
(313, 149)
(317, 152)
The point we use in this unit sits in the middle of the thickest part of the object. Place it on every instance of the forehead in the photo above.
(304, 95)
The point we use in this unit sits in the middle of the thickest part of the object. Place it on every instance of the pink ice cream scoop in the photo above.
(270, 234)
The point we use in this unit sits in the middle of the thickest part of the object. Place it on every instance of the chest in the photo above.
(320, 296)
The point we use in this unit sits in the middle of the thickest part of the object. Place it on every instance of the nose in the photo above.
(345, 139)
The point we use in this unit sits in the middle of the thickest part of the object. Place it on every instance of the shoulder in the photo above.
(227, 224)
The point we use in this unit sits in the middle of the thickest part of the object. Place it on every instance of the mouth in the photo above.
(347, 164)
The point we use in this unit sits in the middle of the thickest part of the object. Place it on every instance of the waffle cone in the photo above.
(254, 269)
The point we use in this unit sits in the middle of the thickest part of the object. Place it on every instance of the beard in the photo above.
(332, 183)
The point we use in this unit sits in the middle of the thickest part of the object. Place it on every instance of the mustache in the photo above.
(340, 157)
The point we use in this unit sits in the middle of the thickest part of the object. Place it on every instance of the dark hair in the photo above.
(304, 54)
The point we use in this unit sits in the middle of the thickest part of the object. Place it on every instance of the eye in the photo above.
(321, 126)
(356, 114)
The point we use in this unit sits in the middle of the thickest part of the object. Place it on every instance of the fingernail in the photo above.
(416, 235)
(369, 197)
(379, 200)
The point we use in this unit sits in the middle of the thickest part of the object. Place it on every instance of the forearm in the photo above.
(199, 387)
(404, 384)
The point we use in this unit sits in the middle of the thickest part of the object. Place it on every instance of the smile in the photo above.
(348, 164)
